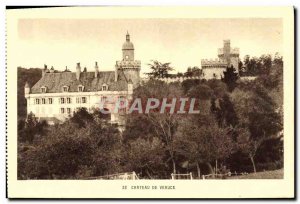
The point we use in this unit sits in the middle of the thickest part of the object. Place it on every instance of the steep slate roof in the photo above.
(55, 82)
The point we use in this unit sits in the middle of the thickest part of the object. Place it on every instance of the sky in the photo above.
(183, 42)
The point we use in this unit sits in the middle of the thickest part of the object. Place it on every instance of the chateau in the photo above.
(57, 95)
(214, 69)
(227, 57)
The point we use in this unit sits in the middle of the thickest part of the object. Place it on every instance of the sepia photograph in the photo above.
(197, 99)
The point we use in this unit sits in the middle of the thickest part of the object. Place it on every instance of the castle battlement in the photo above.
(128, 64)
(213, 63)
(177, 79)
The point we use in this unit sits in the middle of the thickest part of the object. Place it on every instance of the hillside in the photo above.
(31, 75)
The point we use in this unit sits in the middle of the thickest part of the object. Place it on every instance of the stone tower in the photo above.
(229, 55)
(129, 66)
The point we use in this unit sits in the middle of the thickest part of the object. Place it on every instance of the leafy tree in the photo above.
(159, 69)
(163, 125)
(31, 76)
(82, 117)
(203, 142)
(258, 119)
(29, 129)
(224, 112)
(70, 151)
(230, 78)
(193, 72)
(145, 157)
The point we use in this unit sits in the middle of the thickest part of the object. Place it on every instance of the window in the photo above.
(62, 110)
(104, 87)
(43, 101)
(83, 99)
(65, 88)
(121, 100)
(50, 100)
(80, 88)
(62, 100)
(103, 98)
(37, 101)
(69, 110)
(43, 89)
(77, 100)
(68, 100)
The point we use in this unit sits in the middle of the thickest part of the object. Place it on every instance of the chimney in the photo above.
(44, 70)
(96, 69)
(78, 70)
(52, 70)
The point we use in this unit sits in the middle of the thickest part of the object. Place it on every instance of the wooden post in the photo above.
(172, 176)
(191, 175)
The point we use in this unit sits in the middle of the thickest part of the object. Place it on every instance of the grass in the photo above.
(275, 174)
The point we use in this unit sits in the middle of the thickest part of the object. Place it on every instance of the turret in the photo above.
(96, 69)
(78, 70)
(27, 89)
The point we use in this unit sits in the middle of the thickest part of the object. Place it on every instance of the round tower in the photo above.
(128, 66)
(27, 89)
(128, 49)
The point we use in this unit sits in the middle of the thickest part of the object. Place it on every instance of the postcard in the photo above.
(150, 102)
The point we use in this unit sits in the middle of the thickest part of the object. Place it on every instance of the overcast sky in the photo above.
(183, 42)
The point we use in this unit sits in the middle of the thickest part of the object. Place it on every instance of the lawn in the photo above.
(276, 174)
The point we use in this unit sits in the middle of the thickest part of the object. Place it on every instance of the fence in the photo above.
(222, 176)
(120, 176)
(182, 176)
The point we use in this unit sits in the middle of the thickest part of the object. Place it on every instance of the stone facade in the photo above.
(57, 95)
(227, 56)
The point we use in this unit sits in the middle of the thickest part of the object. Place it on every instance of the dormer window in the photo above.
(80, 88)
(104, 87)
(65, 88)
(43, 89)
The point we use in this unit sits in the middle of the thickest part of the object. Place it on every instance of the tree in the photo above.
(163, 125)
(31, 76)
(258, 119)
(145, 157)
(230, 78)
(72, 151)
(159, 69)
(203, 142)
(29, 129)
(193, 72)
(224, 112)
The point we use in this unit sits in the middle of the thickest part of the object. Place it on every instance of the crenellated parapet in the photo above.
(207, 63)
(128, 64)
(177, 79)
